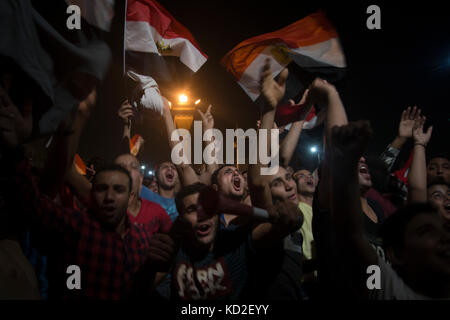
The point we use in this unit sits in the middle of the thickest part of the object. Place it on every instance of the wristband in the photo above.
(420, 144)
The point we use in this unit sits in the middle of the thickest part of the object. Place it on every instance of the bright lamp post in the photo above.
(183, 111)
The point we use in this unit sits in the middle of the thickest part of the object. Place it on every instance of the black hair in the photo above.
(114, 167)
(216, 174)
(187, 191)
(392, 231)
(438, 182)
(437, 155)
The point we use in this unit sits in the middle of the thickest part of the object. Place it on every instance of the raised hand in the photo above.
(407, 121)
(319, 91)
(421, 137)
(14, 126)
(273, 91)
(349, 141)
(207, 119)
(125, 112)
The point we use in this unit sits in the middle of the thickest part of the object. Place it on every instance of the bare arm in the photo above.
(325, 95)
(272, 92)
(347, 143)
(417, 176)
(208, 123)
(186, 171)
(285, 218)
(64, 146)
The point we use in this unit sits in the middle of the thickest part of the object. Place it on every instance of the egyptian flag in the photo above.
(157, 45)
(135, 144)
(309, 48)
(80, 165)
(402, 173)
(53, 66)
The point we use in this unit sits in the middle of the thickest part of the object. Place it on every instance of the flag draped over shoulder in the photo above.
(157, 45)
(309, 48)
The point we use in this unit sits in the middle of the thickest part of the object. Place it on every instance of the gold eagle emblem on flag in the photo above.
(281, 54)
(163, 48)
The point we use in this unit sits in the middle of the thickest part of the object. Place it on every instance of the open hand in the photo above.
(273, 91)
(407, 121)
(421, 137)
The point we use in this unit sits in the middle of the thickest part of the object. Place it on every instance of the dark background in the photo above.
(405, 63)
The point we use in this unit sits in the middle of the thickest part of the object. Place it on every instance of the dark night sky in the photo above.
(405, 63)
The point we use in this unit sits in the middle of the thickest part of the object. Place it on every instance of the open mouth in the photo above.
(447, 207)
(237, 183)
(363, 169)
(170, 176)
(108, 210)
(203, 229)
(293, 197)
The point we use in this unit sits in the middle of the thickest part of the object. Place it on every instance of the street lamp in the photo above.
(183, 110)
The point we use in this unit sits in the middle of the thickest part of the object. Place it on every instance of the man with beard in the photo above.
(167, 179)
(229, 181)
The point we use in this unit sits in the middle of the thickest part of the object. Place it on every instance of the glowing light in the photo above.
(313, 149)
(170, 105)
(143, 167)
(198, 101)
(150, 172)
(182, 98)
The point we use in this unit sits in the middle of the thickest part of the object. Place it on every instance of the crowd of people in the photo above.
(316, 231)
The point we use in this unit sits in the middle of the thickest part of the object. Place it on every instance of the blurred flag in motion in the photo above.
(157, 45)
(309, 48)
(53, 66)
(98, 13)
(135, 144)
(79, 165)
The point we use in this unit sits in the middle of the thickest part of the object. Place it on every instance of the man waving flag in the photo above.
(309, 48)
(159, 47)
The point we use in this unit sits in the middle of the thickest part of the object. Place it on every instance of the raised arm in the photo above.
(417, 176)
(346, 146)
(186, 171)
(272, 92)
(405, 127)
(208, 123)
(325, 96)
(65, 142)
(78, 183)
(290, 142)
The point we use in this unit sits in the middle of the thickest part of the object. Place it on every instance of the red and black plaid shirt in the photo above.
(107, 261)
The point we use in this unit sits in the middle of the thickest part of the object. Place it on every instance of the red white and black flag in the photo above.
(309, 48)
(157, 45)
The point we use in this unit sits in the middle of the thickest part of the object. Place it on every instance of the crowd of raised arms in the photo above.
(330, 230)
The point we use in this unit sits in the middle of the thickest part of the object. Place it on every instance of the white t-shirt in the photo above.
(392, 286)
